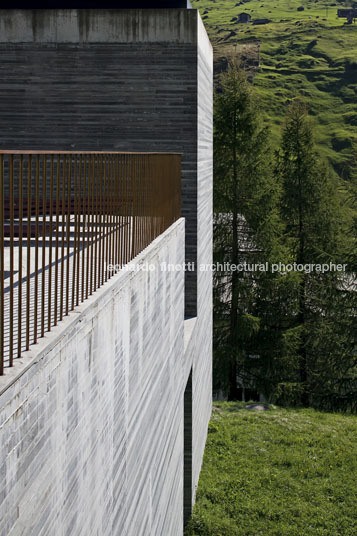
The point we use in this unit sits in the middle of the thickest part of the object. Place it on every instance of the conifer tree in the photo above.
(310, 207)
(246, 226)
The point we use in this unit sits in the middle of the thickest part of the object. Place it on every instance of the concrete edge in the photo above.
(76, 26)
(65, 328)
(189, 328)
(203, 40)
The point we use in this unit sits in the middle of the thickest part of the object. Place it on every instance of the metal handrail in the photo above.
(65, 217)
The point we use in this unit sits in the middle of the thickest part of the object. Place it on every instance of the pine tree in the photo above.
(246, 229)
(310, 207)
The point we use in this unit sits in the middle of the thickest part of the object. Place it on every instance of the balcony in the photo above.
(68, 218)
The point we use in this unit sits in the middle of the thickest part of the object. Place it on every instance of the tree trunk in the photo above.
(233, 390)
(302, 349)
(302, 304)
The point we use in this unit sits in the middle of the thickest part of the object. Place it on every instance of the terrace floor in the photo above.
(64, 268)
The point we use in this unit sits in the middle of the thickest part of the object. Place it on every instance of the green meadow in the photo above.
(282, 472)
(309, 53)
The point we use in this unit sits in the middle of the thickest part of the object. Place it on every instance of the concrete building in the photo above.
(103, 423)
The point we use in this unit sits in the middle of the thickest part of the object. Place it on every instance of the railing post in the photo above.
(119, 203)
(2, 267)
(28, 259)
(19, 307)
(11, 312)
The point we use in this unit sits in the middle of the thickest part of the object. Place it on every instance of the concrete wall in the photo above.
(91, 423)
(108, 80)
(202, 371)
(127, 80)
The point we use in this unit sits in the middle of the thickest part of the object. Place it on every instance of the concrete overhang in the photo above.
(94, 4)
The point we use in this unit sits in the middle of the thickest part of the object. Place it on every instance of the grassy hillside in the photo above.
(277, 473)
(310, 53)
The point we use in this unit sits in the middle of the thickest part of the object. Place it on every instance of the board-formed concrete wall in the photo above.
(91, 426)
(202, 374)
(127, 80)
(130, 80)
